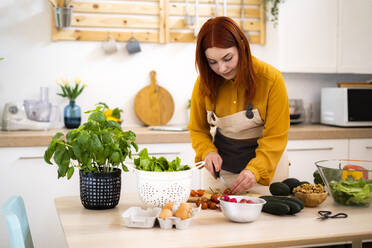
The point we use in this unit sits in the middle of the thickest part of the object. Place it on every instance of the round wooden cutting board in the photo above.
(153, 104)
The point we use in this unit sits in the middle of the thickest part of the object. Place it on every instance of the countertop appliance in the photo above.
(296, 111)
(31, 114)
(346, 107)
(15, 118)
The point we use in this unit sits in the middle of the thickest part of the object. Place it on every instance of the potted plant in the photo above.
(97, 149)
(274, 10)
(111, 114)
(72, 112)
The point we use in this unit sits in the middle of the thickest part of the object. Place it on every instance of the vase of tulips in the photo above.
(72, 112)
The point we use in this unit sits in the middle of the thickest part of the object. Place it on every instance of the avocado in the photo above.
(292, 183)
(276, 207)
(279, 188)
(295, 205)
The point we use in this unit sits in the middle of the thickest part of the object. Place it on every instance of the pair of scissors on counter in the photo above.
(324, 214)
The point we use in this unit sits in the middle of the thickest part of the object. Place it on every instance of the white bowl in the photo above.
(242, 212)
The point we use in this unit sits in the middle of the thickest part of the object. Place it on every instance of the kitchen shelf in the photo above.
(154, 21)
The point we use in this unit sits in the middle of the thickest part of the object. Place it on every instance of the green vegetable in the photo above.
(292, 183)
(96, 146)
(317, 178)
(144, 162)
(295, 205)
(352, 192)
(276, 207)
(279, 188)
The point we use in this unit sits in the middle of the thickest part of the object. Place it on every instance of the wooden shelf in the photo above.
(159, 21)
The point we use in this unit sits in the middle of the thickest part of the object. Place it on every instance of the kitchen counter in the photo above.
(146, 136)
(97, 228)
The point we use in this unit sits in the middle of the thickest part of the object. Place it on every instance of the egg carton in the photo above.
(140, 218)
(176, 222)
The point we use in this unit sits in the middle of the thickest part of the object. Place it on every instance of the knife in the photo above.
(218, 176)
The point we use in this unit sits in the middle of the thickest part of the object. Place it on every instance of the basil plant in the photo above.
(97, 146)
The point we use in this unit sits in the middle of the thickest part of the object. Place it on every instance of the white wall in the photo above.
(32, 60)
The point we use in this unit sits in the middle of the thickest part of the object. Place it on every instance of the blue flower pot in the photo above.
(72, 115)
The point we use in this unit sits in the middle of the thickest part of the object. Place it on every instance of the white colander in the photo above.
(158, 188)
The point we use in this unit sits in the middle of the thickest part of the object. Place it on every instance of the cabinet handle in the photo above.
(31, 157)
(368, 147)
(310, 149)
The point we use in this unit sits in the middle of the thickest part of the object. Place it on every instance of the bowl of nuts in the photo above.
(310, 194)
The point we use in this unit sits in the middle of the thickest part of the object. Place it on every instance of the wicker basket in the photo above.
(100, 190)
(156, 189)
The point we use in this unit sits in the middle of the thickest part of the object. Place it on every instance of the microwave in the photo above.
(346, 107)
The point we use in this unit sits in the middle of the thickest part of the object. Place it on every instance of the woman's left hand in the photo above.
(244, 181)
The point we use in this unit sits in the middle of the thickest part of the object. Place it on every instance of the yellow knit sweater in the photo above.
(270, 99)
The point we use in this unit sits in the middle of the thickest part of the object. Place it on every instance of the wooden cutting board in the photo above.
(153, 104)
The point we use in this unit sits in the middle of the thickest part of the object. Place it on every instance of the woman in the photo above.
(239, 108)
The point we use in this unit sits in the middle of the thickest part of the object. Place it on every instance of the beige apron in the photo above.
(237, 128)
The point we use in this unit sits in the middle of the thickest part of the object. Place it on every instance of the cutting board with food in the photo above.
(153, 104)
(208, 199)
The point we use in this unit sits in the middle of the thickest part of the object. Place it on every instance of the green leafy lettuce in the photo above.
(352, 192)
(146, 163)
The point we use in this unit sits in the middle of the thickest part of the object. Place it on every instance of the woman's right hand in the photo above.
(213, 158)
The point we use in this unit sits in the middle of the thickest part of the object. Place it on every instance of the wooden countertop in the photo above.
(105, 228)
(146, 136)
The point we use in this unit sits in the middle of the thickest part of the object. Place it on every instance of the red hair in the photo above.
(223, 32)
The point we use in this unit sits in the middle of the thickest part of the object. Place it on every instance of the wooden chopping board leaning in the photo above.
(153, 104)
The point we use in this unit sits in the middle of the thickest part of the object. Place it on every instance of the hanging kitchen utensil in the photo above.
(133, 45)
(189, 20)
(153, 104)
(109, 45)
(62, 16)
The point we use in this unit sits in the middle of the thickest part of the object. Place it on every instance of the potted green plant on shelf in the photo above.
(72, 112)
(274, 10)
(97, 149)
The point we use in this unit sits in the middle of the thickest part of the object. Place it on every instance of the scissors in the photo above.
(324, 214)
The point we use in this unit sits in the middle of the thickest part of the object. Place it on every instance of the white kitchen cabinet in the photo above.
(24, 172)
(355, 36)
(303, 154)
(333, 36)
(360, 149)
(307, 36)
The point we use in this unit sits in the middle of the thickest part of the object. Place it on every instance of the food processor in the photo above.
(31, 114)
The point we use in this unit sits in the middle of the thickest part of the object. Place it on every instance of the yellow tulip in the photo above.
(65, 81)
(77, 80)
